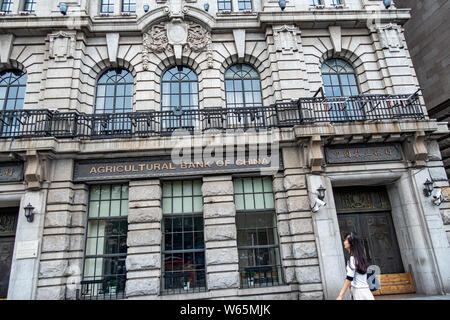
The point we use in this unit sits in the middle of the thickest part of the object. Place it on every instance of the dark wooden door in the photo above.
(8, 221)
(380, 242)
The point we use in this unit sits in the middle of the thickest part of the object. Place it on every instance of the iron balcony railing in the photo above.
(46, 123)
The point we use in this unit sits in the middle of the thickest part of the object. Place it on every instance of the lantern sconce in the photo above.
(282, 4)
(428, 188)
(29, 212)
(206, 6)
(321, 192)
(146, 7)
(63, 8)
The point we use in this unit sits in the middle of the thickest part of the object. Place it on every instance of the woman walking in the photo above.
(356, 270)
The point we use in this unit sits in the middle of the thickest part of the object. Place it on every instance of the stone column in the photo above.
(220, 233)
(304, 251)
(143, 261)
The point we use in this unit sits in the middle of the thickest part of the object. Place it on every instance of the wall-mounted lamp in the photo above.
(206, 6)
(387, 3)
(146, 7)
(29, 212)
(321, 192)
(63, 8)
(428, 188)
(282, 4)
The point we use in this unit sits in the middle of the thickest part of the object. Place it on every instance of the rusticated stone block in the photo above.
(445, 214)
(143, 262)
(281, 206)
(317, 295)
(52, 269)
(310, 274)
(57, 219)
(51, 293)
(283, 228)
(301, 226)
(223, 280)
(211, 210)
(144, 238)
(294, 182)
(217, 188)
(60, 196)
(216, 233)
(55, 243)
(141, 287)
(152, 192)
(300, 203)
(220, 256)
(137, 215)
(304, 250)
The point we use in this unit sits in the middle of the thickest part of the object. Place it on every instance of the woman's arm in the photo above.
(344, 289)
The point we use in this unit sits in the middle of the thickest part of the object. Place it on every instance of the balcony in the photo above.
(369, 108)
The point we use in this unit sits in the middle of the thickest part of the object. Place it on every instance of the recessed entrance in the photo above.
(367, 212)
(8, 222)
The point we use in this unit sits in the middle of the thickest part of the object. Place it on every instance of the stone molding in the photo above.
(285, 38)
(390, 37)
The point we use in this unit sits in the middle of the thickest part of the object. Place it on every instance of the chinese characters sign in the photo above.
(11, 171)
(363, 153)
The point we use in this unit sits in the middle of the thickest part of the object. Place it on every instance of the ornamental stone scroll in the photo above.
(176, 37)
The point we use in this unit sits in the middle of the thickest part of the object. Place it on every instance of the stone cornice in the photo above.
(24, 25)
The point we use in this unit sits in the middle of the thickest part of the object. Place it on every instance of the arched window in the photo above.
(12, 89)
(114, 92)
(179, 93)
(242, 87)
(339, 78)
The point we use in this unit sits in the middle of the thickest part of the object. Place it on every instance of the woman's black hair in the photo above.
(357, 251)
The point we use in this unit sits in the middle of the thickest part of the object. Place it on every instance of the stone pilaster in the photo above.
(301, 250)
(143, 261)
(220, 233)
(61, 261)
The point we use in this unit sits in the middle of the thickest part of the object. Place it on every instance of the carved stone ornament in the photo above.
(176, 37)
(62, 45)
(285, 38)
(390, 37)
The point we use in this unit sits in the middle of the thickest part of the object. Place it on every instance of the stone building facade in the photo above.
(430, 60)
(107, 195)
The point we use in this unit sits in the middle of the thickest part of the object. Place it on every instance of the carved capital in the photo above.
(62, 45)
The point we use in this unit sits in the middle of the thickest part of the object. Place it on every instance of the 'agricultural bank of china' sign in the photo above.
(92, 170)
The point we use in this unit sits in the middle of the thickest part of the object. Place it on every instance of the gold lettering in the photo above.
(182, 165)
(219, 163)
(101, 169)
(227, 162)
(368, 153)
(356, 153)
(388, 151)
(157, 166)
(191, 165)
(199, 164)
(93, 170)
(171, 166)
(376, 152)
(337, 153)
(108, 169)
(347, 153)
(164, 166)
(207, 164)
(142, 166)
(127, 168)
(119, 167)
(134, 169)
(239, 162)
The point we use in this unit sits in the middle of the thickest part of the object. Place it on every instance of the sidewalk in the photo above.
(412, 297)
